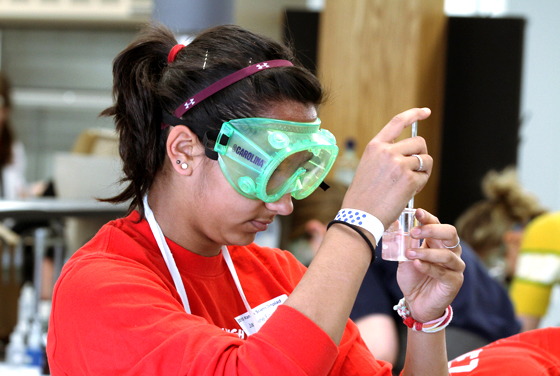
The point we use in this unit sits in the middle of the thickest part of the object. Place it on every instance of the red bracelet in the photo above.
(426, 327)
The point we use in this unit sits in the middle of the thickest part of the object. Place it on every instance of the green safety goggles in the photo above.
(267, 158)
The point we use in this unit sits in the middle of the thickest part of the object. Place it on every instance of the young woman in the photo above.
(216, 138)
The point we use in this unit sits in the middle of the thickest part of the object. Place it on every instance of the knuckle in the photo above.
(428, 160)
(449, 256)
(459, 278)
(440, 271)
(372, 143)
(462, 268)
(373, 147)
(397, 118)
(385, 153)
(451, 229)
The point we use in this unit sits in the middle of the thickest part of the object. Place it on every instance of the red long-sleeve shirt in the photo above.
(116, 312)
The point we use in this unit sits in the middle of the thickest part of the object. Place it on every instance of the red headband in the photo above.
(226, 81)
(176, 48)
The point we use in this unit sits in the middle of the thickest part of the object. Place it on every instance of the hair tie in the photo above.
(176, 48)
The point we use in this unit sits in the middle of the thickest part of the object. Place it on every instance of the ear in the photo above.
(512, 238)
(182, 146)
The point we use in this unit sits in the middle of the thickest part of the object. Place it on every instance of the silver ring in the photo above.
(419, 160)
(455, 246)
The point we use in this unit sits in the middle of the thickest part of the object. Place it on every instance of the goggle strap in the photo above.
(324, 186)
(210, 153)
(224, 140)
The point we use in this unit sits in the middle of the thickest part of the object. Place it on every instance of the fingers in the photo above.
(411, 145)
(446, 234)
(436, 235)
(425, 217)
(395, 127)
(436, 261)
(420, 162)
(433, 260)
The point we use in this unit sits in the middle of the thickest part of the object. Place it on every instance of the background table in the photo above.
(54, 210)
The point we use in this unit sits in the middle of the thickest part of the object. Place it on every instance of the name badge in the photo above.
(261, 313)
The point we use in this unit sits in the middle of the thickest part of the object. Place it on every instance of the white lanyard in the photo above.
(172, 266)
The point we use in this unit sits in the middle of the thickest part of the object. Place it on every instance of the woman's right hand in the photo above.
(387, 176)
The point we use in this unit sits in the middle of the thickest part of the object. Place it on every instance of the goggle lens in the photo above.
(295, 164)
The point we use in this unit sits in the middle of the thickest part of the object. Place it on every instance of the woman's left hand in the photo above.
(433, 277)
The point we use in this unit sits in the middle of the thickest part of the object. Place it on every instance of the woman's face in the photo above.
(226, 216)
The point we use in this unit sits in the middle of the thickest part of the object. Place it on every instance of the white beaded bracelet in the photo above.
(426, 327)
(362, 219)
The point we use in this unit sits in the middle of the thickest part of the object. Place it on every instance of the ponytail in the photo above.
(137, 111)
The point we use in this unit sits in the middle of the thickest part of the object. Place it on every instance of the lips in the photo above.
(261, 225)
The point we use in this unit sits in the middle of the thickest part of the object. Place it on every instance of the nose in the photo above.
(283, 206)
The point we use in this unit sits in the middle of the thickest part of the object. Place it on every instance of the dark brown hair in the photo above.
(145, 85)
(6, 133)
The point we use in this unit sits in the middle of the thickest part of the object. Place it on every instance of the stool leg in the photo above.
(58, 250)
(40, 236)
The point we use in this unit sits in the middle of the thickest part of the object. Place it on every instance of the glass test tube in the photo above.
(396, 238)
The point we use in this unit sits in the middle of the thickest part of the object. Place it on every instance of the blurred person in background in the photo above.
(483, 311)
(12, 153)
(493, 227)
(13, 185)
(538, 269)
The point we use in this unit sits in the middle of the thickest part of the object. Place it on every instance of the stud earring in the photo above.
(178, 161)
(184, 166)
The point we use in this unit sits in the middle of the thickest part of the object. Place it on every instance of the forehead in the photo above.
(291, 111)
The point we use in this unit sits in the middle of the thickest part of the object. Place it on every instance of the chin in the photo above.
(242, 239)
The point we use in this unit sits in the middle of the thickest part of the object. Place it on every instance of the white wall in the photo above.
(539, 151)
